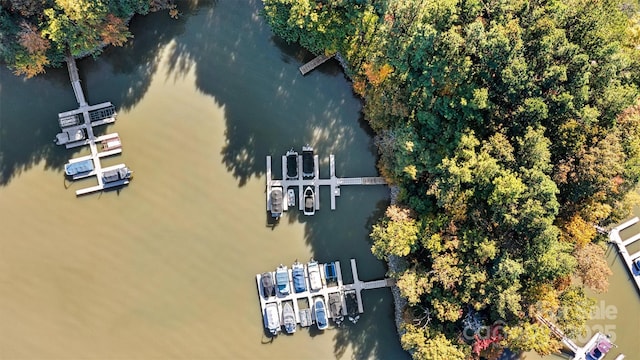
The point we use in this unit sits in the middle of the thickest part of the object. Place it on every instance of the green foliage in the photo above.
(78, 27)
(509, 127)
(426, 347)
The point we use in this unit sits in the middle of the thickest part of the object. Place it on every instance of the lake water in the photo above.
(165, 268)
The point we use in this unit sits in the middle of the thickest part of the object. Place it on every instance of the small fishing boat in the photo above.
(315, 281)
(272, 318)
(291, 197)
(282, 280)
(309, 201)
(268, 288)
(601, 347)
(308, 164)
(289, 318)
(351, 300)
(299, 282)
(275, 202)
(335, 307)
(292, 165)
(320, 312)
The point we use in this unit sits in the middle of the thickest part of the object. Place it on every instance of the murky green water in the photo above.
(165, 268)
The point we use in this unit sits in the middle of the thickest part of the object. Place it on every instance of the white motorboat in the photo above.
(272, 318)
(309, 201)
(315, 281)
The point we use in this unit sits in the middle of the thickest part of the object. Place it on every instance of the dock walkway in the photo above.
(301, 183)
(614, 237)
(302, 315)
(314, 63)
(85, 118)
(579, 352)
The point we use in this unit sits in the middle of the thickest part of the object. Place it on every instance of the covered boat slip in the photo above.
(329, 293)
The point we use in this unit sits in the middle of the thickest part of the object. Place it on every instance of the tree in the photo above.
(592, 267)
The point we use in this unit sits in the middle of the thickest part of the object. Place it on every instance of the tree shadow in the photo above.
(269, 108)
(29, 107)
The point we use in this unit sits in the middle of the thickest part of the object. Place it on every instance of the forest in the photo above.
(35, 34)
(512, 130)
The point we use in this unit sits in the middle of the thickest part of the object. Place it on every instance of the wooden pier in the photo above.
(81, 121)
(579, 352)
(314, 63)
(302, 315)
(614, 237)
(301, 183)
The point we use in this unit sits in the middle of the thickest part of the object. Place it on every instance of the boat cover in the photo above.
(298, 279)
(352, 302)
(282, 280)
(314, 276)
(78, 167)
(330, 271)
(292, 166)
(267, 284)
(307, 162)
(276, 201)
(335, 305)
(321, 315)
(272, 319)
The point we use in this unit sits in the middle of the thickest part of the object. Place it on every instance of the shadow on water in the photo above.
(269, 107)
(29, 107)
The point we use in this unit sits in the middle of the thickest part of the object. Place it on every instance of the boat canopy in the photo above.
(299, 283)
(276, 202)
(307, 161)
(78, 167)
(330, 271)
(116, 174)
(292, 165)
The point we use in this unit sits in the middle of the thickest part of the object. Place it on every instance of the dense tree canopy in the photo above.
(39, 33)
(511, 129)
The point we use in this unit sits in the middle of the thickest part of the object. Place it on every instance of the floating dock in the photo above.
(303, 315)
(614, 237)
(301, 183)
(314, 63)
(77, 130)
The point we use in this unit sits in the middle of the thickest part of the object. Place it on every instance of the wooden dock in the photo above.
(314, 63)
(301, 183)
(303, 316)
(614, 237)
(84, 119)
(579, 352)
